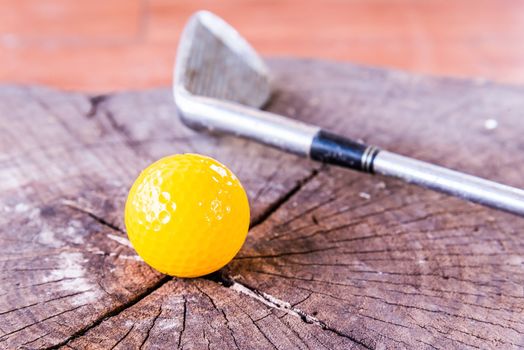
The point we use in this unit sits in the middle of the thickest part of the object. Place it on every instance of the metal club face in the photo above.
(214, 61)
(221, 83)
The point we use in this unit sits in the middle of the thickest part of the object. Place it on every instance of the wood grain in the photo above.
(67, 162)
(130, 44)
(334, 258)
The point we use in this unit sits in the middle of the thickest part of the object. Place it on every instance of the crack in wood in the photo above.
(276, 303)
(404, 284)
(123, 337)
(294, 332)
(25, 345)
(76, 206)
(95, 102)
(115, 311)
(277, 204)
(226, 319)
(279, 255)
(181, 334)
(260, 330)
(352, 305)
(301, 215)
(98, 108)
(444, 334)
(428, 344)
(18, 308)
(208, 343)
(6, 335)
(268, 182)
(152, 326)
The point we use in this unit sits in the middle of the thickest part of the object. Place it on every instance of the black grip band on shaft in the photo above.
(334, 149)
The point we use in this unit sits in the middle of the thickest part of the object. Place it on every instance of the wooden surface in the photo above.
(334, 259)
(130, 44)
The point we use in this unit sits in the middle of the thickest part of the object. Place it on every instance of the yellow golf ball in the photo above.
(187, 215)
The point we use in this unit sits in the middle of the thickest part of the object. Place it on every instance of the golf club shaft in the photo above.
(472, 188)
(311, 141)
(334, 149)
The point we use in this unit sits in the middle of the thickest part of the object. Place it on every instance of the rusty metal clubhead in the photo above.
(214, 61)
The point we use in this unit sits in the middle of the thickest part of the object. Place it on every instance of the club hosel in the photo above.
(335, 149)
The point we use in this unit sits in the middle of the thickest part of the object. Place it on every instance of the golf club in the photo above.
(221, 83)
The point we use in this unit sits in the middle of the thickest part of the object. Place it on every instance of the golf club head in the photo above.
(215, 62)
(220, 84)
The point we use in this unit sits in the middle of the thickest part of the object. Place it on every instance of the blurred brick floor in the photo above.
(97, 45)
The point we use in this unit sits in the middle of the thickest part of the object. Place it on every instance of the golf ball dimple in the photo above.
(187, 215)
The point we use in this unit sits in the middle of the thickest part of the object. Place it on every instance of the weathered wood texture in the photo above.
(334, 259)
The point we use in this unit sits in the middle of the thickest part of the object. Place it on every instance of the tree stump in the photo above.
(334, 258)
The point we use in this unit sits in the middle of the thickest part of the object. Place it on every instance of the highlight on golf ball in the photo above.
(187, 215)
